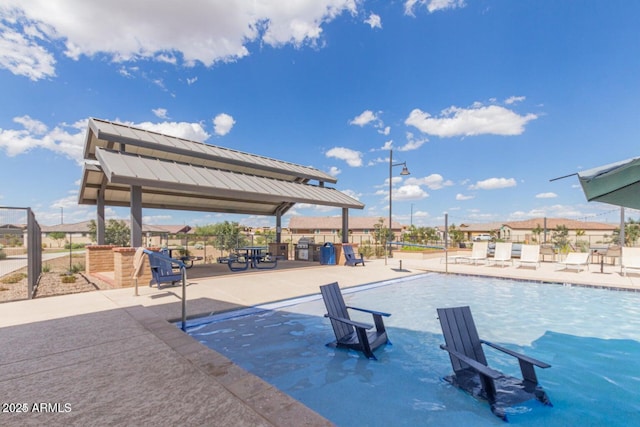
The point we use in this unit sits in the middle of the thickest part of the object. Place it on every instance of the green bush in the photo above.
(68, 278)
(2, 254)
(46, 268)
(77, 268)
(13, 278)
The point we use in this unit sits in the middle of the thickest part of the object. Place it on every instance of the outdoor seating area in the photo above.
(244, 258)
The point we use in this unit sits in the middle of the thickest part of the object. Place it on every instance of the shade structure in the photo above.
(616, 183)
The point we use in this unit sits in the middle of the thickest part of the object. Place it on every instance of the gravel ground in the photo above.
(50, 282)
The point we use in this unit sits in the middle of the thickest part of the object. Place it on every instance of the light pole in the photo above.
(405, 171)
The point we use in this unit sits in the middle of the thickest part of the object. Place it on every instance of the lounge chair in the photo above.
(630, 259)
(575, 260)
(502, 253)
(530, 254)
(162, 268)
(478, 253)
(350, 256)
(351, 334)
(471, 372)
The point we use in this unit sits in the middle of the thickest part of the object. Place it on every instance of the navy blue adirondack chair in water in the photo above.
(351, 334)
(471, 372)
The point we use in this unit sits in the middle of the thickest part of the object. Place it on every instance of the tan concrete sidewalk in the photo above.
(111, 358)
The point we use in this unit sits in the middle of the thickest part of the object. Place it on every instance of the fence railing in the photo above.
(20, 245)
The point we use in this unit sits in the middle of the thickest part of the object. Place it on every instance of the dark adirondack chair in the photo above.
(349, 333)
(471, 372)
(350, 256)
(162, 268)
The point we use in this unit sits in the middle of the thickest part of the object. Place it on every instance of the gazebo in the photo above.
(128, 166)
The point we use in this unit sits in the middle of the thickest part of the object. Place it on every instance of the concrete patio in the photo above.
(112, 358)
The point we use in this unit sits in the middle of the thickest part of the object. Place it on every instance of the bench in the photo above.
(162, 268)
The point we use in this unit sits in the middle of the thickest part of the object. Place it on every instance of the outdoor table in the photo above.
(254, 254)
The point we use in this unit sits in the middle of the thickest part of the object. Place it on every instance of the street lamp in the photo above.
(405, 171)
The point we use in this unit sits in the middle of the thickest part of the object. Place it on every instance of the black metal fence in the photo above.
(20, 248)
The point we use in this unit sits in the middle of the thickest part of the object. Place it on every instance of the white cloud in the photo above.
(476, 120)
(460, 196)
(190, 131)
(374, 21)
(385, 131)
(217, 30)
(366, 117)
(192, 81)
(404, 192)
(334, 171)
(20, 52)
(433, 182)
(546, 195)
(160, 112)
(413, 143)
(514, 99)
(223, 123)
(64, 139)
(432, 5)
(352, 157)
(493, 184)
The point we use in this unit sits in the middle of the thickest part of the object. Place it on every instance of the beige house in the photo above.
(523, 231)
(327, 229)
(78, 233)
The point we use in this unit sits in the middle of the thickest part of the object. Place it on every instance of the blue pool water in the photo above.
(591, 337)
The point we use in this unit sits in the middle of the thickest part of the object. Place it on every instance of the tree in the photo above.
(631, 233)
(537, 232)
(455, 234)
(227, 235)
(58, 236)
(115, 232)
(560, 237)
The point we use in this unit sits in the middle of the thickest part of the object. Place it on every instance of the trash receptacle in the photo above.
(328, 254)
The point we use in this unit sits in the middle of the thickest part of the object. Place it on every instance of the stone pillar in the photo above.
(99, 258)
(123, 268)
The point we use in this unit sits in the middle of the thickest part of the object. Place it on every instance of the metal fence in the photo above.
(20, 247)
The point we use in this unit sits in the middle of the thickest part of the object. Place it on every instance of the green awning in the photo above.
(616, 183)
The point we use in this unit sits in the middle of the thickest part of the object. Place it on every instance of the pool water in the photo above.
(591, 337)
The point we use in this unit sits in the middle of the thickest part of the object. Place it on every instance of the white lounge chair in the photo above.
(630, 259)
(478, 253)
(530, 254)
(502, 253)
(576, 260)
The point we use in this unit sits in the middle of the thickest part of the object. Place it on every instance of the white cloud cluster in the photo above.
(374, 21)
(223, 123)
(432, 5)
(185, 130)
(352, 157)
(368, 117)
(476, 120)
(64, 139)
(493, 184)
(21, 50)
(546, 195)
(434, 181)
(208, 31)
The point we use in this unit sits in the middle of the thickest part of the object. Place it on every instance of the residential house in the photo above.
(327, 229)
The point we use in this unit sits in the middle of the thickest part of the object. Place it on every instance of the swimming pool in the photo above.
(591, 337)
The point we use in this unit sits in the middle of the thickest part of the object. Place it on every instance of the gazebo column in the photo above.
(136, 216)
(100, 236)
(278, 227)
(345, 225)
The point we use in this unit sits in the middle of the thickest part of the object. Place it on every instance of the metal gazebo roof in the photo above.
(179, 174)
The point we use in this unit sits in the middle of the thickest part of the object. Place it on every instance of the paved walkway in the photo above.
(111, 358)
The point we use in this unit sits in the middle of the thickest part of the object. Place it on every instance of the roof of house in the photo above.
(531, 224)
(83, 227)
(335, 222)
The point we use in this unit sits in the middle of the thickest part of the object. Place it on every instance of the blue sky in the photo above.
(486, 101)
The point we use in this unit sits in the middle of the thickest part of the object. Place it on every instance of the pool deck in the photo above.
(112, 358)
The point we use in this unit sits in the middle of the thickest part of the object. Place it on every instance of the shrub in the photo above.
(13, 278)
(46, 268)
(2, 254)
(77, 268)
(68, 278)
